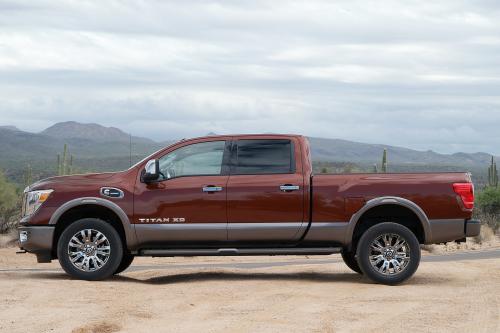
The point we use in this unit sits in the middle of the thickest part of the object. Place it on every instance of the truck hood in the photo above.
(75, 180)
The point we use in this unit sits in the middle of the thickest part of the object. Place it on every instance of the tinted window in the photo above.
(263, 157)
(197, 159)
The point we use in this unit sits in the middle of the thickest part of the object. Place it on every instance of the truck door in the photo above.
(265, 191)
(189, 201)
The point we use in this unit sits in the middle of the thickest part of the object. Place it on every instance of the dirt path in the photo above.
(307, 296)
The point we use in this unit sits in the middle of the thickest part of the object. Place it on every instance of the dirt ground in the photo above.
(451, 296)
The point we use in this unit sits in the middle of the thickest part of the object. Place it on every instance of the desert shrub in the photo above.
(485, 235)
(488, 207)
(9, 204)
(488, 200)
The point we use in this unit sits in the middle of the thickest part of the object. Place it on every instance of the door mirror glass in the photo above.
(151, 171)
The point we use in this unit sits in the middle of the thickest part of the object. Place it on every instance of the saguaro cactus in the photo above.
(28, 175)
(63, 166)
(384, 161)
(493, 173)
(375, 168)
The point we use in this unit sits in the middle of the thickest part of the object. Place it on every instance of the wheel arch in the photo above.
(96, 208)
(389, 201)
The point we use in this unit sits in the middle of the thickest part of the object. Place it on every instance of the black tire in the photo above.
(350, 260)
(395, 232)
(96, 226)
(127, 260)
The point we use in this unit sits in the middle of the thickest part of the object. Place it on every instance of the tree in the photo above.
(9, 203)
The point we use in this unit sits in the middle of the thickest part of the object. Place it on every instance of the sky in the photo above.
(419, 74)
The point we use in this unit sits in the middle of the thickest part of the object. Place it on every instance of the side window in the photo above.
(263, 157)
(194, 160)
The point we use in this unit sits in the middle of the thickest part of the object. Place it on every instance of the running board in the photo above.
(240, 252)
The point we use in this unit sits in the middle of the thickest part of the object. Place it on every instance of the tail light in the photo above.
(466, 193)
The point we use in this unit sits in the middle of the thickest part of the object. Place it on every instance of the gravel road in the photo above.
(450, 293)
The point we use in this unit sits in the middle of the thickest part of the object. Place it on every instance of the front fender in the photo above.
(130, 236)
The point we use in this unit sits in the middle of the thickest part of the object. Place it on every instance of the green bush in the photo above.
(9, 204)
(488, 200)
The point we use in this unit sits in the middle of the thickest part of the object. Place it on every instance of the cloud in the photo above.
(421, 75)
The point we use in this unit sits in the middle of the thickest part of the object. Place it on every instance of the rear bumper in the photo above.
(37, 240)
(472, 228)
(443, 231)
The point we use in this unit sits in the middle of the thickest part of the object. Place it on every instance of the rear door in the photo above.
(265, 190)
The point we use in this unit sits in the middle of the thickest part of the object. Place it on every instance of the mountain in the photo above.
(99, 148)
(92, 132)
(10, 128)
(337, 150)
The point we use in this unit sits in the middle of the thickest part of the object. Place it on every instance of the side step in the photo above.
(240, 252)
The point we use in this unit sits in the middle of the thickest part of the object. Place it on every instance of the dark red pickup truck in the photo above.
(243, 195)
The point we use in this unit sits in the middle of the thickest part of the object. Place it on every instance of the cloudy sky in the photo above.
(420, 74)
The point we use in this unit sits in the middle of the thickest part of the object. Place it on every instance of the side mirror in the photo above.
(151, 171)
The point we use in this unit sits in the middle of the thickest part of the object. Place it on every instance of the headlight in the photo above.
(34, 200)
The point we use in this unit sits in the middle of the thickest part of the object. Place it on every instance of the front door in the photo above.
(188, 203)
(265, 191)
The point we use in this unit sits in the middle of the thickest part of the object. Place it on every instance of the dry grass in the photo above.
(9, 239)
(486, 235)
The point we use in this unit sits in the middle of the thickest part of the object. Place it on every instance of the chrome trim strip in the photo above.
(272, 231)
(103, 192)
(327, 231)
(180, 232)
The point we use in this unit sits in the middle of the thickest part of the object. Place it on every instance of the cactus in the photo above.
(384, 161)
(28, 175)
(64, 167)
(59, 171)
(375, 168)
(493, 173)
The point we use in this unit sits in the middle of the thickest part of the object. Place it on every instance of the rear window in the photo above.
(263, 157)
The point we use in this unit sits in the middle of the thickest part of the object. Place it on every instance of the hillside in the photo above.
(99, 148)
(348, 151)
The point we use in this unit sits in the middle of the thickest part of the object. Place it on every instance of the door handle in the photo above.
(289, 188)
(212, 188)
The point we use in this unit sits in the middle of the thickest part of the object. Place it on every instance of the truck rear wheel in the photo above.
(90, 249)
(350, 260)
(388, 253)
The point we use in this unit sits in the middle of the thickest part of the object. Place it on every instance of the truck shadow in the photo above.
(192, 277)
(243, 276)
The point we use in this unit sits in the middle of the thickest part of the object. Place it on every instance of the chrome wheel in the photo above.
(89, 250)
(389, 254)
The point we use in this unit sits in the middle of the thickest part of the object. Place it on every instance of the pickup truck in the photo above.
(243, 195)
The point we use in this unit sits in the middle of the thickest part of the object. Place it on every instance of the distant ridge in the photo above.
(92, 131)
(99, 148)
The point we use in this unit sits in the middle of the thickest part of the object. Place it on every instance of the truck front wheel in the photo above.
(90, 249)
(350, 260)
(388, 253)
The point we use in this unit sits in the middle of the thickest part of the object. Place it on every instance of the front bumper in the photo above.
(37, 240)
